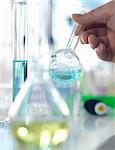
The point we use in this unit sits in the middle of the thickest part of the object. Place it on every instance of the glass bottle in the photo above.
(20, 61)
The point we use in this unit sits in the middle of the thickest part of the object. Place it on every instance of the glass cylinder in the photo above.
(39, 28)
(19, 44)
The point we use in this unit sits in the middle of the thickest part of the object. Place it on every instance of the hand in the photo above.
(99, 30)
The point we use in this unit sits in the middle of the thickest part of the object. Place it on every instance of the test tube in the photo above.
(20, 62)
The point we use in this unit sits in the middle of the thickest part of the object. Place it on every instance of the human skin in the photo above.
(99, 30)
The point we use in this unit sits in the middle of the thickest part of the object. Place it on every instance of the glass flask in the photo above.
(40, 116)
(65, 69)
(65, 66)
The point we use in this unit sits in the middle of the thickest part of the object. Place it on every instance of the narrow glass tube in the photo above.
(39, 28)
(19, 44)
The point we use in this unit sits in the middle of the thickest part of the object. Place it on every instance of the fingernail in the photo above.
(82, 40)
(99, 47)
(91, 44)
(73, 16)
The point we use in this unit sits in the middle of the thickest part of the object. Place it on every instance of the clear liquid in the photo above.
(19, 75)
(41, 134)
(65, 76)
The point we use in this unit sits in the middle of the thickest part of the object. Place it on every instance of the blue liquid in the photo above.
(19, 75)
(66, 76)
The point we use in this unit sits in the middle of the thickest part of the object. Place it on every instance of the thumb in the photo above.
(95, 16)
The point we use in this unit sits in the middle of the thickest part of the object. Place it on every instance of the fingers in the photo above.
(100, 46)
(94, 36)
(99, 31)
(84, 36)
(94, 40)
(103, 52)
(78, 29)
(98, 15)
(111, 23)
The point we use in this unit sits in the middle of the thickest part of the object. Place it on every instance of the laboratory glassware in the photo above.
(30, 37)
(65, 66)
(39, 28)
(40, 116)
(65, 69)
(20, 61)
(5, 102)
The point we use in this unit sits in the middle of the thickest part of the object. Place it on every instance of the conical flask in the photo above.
(41, 117)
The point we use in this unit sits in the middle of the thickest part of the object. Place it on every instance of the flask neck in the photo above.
(39, 21)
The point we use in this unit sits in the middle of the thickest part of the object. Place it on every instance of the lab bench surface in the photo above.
(88, 132)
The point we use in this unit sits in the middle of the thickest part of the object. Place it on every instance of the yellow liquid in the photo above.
(41, 134)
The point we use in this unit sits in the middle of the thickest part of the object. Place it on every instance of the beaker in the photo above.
(41, 116)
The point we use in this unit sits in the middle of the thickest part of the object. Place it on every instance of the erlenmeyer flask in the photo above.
(42, 117)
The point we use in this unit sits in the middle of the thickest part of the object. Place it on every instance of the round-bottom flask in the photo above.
(65, 67)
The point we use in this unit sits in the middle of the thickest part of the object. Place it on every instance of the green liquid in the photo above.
(108, 100)
(41, 134)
